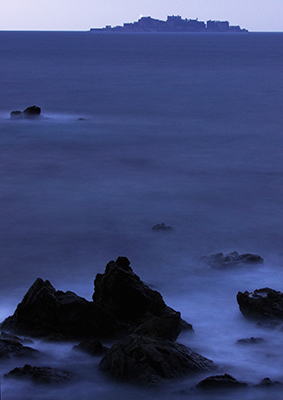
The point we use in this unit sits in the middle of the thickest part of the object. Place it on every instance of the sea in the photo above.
(138, 130)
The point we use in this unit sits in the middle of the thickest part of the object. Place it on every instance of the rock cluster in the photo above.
(29, 112)
(40, 374)
(220, 260)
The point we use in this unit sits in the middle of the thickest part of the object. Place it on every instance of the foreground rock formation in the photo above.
(12, 347)
(148, 361)
(47, 313)
(262, 305)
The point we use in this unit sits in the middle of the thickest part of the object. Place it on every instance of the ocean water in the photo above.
(184, 129)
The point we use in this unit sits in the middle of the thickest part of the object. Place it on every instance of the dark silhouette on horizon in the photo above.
(172, 24)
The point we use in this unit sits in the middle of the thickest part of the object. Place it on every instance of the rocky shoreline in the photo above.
(144, 329)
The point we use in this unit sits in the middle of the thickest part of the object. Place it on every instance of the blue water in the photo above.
(184, 129)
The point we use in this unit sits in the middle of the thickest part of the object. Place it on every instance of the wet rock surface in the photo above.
(43, 375)
(262, 305)
(220, 260)
(225, 381)
(149, 361)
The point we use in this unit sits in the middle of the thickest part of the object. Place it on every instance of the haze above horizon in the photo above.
(75, 15)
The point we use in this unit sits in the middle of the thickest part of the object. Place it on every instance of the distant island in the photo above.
(172, 24)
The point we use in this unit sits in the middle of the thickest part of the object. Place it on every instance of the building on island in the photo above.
(172, 24)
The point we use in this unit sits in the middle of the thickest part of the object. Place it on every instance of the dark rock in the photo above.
(32, 111)
(221, 382)
(29, 112)
(161, 227)
(13, 348)
(251, 340)
(5, 335)
(16, 114)
(167, 326)
(45, 375)
(92, 347)
(46, 312)
(231, 259)
(262, 305)
(124, 295)
(267, 382)
(81, 119)
(148, 361)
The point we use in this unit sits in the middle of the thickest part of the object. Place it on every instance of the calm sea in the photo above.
(185, 129)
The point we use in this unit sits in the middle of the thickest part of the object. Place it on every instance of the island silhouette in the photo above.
(172, 24)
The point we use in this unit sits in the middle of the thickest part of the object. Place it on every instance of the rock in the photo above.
(267, 382)
(225, 381)
(45, 312)
(251, 340)
(32, 111)
(123, 294)
(16, 114)
(149, 361)
(92, 347)
(29, 112)
(231, 259)
(45, 375)
(13, 348)
(5, 335)
(81, 119)
(167, 326)
(262, 305)
(162, 227)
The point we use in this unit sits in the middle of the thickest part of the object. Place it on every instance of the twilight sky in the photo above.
(255, 15)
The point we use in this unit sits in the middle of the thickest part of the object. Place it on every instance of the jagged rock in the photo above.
(167, 326)
(13, 348)
(92, 346)
(231, 259)
(262, 305)
(162, 227)
(225, 381)
(251, 340)
(9, 336)
(46, 312)
(267, 382)
(40, 374)
(148, 361)
(123, 294)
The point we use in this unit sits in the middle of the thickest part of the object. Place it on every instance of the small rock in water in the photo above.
(267, 382)
(231, 259)
(251, 340)
(29, 112)
(40, 374)
(225, 381)
(161, 227)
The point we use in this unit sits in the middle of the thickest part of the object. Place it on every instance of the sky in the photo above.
(81, 15)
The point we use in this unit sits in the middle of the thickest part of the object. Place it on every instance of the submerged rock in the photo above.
(225, 381)
(251, 340)
(123, 294)
(148, 361)
(262, 305)
(92, 347)
(162, 227)
(45, 312)
(45, 375)
(231, 259)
